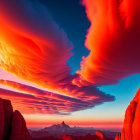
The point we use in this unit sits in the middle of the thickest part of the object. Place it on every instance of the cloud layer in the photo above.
(113, 40)
(32, 46)
(32, 100)
(35, 49)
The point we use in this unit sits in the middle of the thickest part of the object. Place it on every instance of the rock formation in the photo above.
(63, 125)
(12, 124)
(100, 134)
(97, 136)
(131, 126)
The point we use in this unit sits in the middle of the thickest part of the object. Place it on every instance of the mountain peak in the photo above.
(59, 126)
(63, 125)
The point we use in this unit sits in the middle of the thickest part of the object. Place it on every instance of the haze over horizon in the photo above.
(75, 61)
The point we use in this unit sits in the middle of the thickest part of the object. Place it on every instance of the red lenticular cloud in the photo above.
(30, 100)
(113, 40)
(33, 48)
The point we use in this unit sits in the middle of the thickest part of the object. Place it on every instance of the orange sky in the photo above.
(40, 122)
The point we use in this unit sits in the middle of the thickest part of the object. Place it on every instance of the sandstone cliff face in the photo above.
(12, 124)
(131, 126)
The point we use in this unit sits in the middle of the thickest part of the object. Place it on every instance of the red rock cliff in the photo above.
(12, 124)
(131, 126)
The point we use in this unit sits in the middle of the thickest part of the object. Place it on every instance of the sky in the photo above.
(75, 61)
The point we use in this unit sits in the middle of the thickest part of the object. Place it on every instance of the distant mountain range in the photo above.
(58, 130)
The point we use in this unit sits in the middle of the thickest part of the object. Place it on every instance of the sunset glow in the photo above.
(38, 56)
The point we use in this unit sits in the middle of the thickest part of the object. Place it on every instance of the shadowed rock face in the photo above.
(12, 124)
(131, 126)
(6, 112)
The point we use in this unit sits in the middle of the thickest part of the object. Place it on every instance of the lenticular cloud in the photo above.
(32, 46)
(32, 100)
(113, 40)
(35, 49)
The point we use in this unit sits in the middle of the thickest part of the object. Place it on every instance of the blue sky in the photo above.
(70, 15)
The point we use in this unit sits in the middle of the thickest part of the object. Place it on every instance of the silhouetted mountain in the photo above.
(12, 124)
(61, 126)
(131, 126)
(60, 129)
(64, 132)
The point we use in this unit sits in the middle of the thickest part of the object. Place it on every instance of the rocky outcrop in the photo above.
(118, 136)
(12, 124)
(6, 112)
(131, 126)
(97, 136)
(100, 134)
